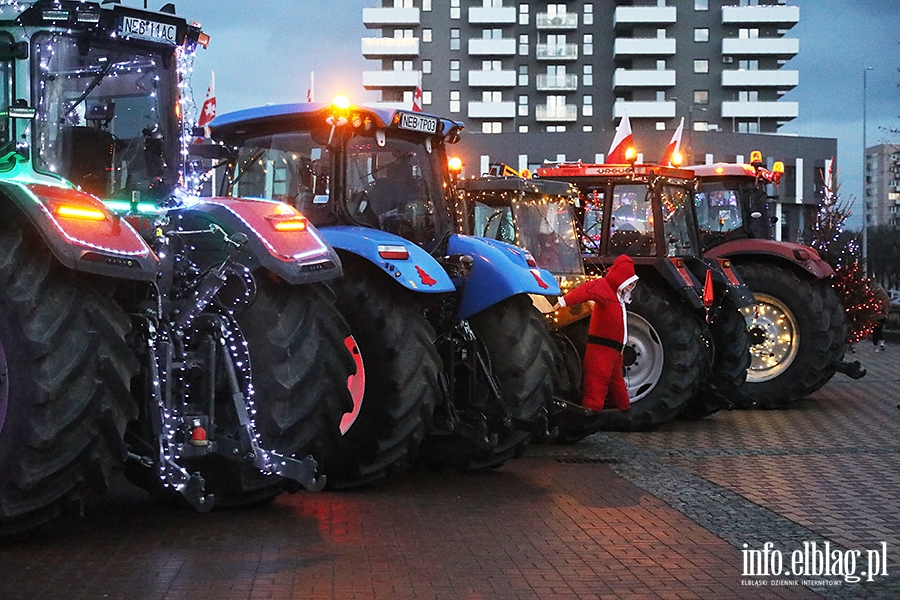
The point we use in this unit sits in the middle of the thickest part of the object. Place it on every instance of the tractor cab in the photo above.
(97, 94)
(533, 214)
(338, 165)
(732, 200)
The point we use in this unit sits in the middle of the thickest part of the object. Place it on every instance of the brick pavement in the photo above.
(650, 515)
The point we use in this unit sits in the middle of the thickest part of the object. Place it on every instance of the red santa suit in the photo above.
(608, 334)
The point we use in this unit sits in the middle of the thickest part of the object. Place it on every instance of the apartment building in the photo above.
(549, 80)
(882, 187)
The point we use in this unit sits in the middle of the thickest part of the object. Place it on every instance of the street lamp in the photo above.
(690, 136)
(865, 218)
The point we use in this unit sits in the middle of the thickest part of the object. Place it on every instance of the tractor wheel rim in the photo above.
(356, 383)
(643, 374)
(773, 338)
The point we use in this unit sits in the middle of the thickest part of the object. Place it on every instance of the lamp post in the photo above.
(689, 155)
(865, 217)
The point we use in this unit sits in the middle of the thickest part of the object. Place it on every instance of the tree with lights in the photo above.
(841, 249)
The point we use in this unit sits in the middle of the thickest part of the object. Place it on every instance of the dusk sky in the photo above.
(263, 53)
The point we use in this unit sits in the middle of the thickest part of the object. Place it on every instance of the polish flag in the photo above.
(208, 112)
(674, 146)
(621, 142)
(417, 97)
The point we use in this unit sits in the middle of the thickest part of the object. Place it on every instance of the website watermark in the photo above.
(813, 564)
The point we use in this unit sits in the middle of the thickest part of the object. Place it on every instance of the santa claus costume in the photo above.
(608, 334)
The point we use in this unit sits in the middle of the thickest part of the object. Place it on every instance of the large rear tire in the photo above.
(731, 359)
(520, 351)
(402, 387)
(795, 331)
(64, 385)
(664, 371)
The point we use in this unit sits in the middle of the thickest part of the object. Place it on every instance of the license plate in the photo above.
(133, 27)
(415, 122)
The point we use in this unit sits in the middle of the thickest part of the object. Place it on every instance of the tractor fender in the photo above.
(78, 228)
(405, 262)
(298, 253)
(500, 270)
(804, 257)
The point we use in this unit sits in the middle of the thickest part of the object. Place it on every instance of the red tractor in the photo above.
(797, 328)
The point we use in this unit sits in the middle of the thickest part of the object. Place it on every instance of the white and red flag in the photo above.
(674, 147)
(208, 111)
(417, 97)
(622, 141)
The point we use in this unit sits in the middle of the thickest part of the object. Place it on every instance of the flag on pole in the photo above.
(310, 91)
(208, 111)
(674, 147)
(622, 141)
(417, 96)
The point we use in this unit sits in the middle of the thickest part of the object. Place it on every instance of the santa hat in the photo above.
(621, 273)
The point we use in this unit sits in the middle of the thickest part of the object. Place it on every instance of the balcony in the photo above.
(566, 113)
(781, 78)
(376, 18)
(643, 15)
(556, 51)
(751, 15)
(492, 110)
(545, 21)
(500, 47)
(482, 15)
(625, 78)
(492, 79)
(644, 47)
(557, 83)
(646, 110)
(760, 110)
(786, 47)
(378, 47)
(376, 80)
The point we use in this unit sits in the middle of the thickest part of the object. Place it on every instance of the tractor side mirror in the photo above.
(773, 220)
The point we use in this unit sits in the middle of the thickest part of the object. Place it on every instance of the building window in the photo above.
(588, 14)
(588, 75)
(492, 97)
(660, 125)
(701, 96)
(426, 97)
(587, 128)
(748, 127)
(523, 128)
(426, 67)
(701, 4)
(661, 64)
(523, 75)
(403, 65)
(492, 127)
(588, 44)
(660, 96)
(701, 66)
(523, 14)
(748, 65)
(701, 34)
(403, 33)
(491, 34)
(556, 128)
(587, 106)
(426, 5)
(491, 65)
(523, 44)
(454, 101)
(523, 106)
(701, 125)
(426, 35)
(746, 34)
(454, 9)
(748, 96)
(454, 70)
(454, 39)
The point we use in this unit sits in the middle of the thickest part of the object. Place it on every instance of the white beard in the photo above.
(625, 297)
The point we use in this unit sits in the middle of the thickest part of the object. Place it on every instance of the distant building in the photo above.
(883, 185)
(536, 81)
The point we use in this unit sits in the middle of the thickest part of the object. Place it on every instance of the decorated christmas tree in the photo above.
(842, 250)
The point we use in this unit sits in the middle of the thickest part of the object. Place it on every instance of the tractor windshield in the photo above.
(106, 116)
(397, 186)
(678, 222)
(631, 221)
(732, 208)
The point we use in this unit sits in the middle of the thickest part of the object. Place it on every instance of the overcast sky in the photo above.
(263, 52)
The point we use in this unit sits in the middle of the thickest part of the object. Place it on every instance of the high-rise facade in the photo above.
(538, 80)
(882, 185)
(519, 67)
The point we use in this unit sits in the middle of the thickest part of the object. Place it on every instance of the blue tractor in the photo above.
(458, 363)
